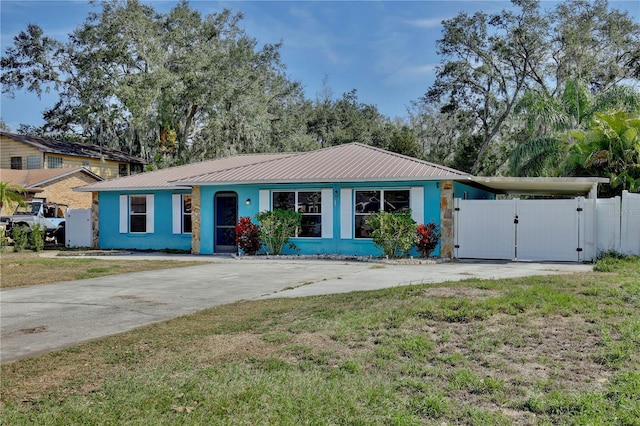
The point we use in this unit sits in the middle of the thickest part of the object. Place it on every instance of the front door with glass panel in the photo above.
(226, 217)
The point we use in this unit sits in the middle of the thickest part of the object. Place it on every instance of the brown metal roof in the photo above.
(342, 163)
(32, 178)
(167, 178)
(74, 148)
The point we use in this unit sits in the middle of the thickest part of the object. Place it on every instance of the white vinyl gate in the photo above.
(78, 228)
(520, 229)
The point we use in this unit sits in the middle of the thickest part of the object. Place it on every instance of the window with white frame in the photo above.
(307, 203)
(186, 214)
(371, 201)
(54, 162)
(137, 213)
(181, 209)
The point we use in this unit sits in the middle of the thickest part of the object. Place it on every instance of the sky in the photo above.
(386, 50)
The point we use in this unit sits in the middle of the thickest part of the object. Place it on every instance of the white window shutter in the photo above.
(416, 200)
(150, 214)
(327, 213)
(124, 214)
(263, 202)
(176, 213)
(346, 214)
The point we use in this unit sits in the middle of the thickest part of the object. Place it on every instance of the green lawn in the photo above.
(29, 268)
(540, 350)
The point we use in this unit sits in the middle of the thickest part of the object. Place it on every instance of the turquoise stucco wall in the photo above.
(473, 193)
(312, 246)
(163, 238)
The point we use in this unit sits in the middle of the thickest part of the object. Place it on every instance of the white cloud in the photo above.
(426, 23)
(422, 69)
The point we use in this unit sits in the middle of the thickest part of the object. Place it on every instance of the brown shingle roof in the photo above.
(342, 163)
(35, 177)
(74, 148)
(166, 178)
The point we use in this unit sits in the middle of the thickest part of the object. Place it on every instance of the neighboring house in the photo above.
(19, 152)
(54, 185)
(195, 207)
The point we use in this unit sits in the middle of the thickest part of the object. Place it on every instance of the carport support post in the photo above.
(95, 220)
(195, 220)
(446, 219)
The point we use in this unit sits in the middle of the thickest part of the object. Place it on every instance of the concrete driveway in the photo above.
(42, 318)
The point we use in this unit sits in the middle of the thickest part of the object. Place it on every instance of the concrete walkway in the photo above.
(42, 318)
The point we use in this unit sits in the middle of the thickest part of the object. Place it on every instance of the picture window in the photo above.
(308, 204)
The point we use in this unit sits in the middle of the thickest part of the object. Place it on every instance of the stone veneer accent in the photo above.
(95, 221)
(195, 220)
(446, 219)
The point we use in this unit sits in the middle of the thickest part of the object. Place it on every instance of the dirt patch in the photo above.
(139, 300)
(34, 330)
(529, 352)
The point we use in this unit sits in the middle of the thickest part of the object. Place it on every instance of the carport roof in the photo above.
(538, 185)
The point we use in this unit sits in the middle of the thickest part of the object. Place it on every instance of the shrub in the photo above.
(20, 235)
(428, 237)
(36, 237)
(394, 233)
(4, 241)
(608, 261)
(276, 227)
(247, 236)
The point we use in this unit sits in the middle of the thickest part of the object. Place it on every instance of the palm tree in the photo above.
(609, 147)
(11, 194)
(548, 118)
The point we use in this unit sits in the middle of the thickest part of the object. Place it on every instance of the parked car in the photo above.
(50, 215)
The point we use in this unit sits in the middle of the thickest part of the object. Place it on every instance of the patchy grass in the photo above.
(539, 350)
(20, 269)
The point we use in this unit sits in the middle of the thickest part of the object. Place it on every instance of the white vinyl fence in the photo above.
(630, 224)
(547, 230)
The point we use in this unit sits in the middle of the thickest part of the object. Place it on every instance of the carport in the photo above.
(561, 224)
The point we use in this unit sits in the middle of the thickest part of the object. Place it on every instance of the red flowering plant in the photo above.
(428, 237)
(247, 236)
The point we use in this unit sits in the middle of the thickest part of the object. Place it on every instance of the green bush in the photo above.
(276, 227)
(394, 233)
(36, 237)
(4, 242)
(20, 235)
(608, 260)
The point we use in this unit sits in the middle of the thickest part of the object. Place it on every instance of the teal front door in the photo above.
(226, 217)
